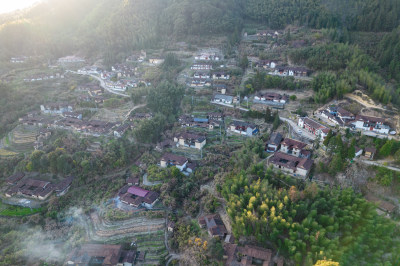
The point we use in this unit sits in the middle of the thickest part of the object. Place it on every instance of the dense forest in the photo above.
(305, 222)
(108, 27)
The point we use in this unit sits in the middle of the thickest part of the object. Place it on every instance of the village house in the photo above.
(313, 127)
(217, 116)
(272, 97)
(295, 148)
(137, 196)
(268, 33)
(62, 187)
(334, 119)
(31, 188)
(274, 142)
(72, 115)
(15, 178)
(358, 151)
(220, 75)
(220, 98)
(133, 180)
(99, 254)
(291, 164)
(214, 225)
(56, 108)
(120, 131)
(290, 72)
(369, 153)
(249, 255)
(141, 116)
(337, 115)
(220, 87)
(207, 57)
(70, 60)
(201, 75)
(244, 128)
(156, 61)
(201, 66)
(191, 140)
(19, 59)
(137, 57)
(199, 83)
(169, 159)
(266, 64)
(340, 112)
(381, 204)
(370, 123)
(92, 70)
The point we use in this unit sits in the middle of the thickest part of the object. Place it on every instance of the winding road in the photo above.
(102, 83)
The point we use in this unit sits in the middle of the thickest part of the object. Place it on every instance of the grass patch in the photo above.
(10, 210)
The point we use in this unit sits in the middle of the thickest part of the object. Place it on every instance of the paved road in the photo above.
(134, 108)
(379, 164)
(296, 128)
(102, 84)
(379, 136)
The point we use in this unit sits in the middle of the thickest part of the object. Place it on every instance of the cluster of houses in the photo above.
(272, 99)
(72, 121)
(343, 118)
(95, 93)
(290, 155)
(139, 57)
(225, 99)
(207, 57)
(101, 254)
(243, 128)
(34, 188)
(214, 119)
(290, 71)
(19, 59)
(40, 77)
(71, 59)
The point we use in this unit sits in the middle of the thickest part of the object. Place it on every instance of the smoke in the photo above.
(56, 239)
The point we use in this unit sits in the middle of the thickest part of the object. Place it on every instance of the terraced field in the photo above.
(148, 233)
(22, 139)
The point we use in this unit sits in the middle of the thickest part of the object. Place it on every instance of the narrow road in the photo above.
(102, 83)
(173, 257)
(379, 164)
(296, 128)
(134, 108)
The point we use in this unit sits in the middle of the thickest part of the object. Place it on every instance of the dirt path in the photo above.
(360, 100)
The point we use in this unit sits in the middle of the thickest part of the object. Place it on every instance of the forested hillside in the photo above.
(369, 15)
(59, 27)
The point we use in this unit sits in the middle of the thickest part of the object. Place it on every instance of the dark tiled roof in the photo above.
(293, 144)
(63, 185)
(291, 162)
(275, 138)
(15, 178)
(176, 159)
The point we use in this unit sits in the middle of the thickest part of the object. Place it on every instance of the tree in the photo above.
(244, 62)
(328, 138)
(277, 121)
(268, 117)
(351, 152)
